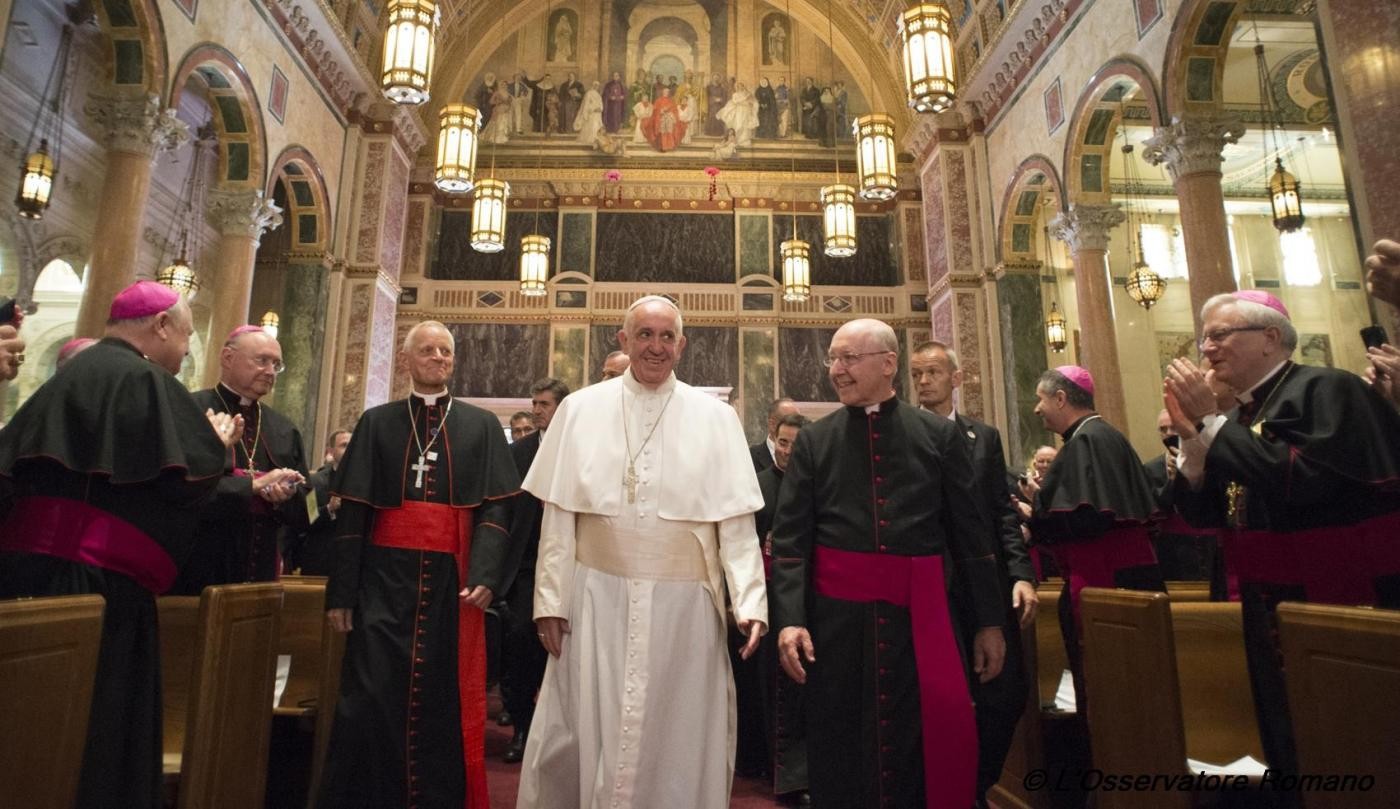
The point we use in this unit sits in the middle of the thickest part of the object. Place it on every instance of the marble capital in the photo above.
(137, 124)
(1086, 227)
(244, 212)
(1193, 145)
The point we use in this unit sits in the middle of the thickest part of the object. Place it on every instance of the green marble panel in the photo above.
(754, 248)
(306, 228)
(1212, 28)
(302, 192)
(120, 13)
(237, 161)
(576, 243)
(1200, 78)
(757, 349)
(231, 111)
(1023, 361)
(1021, 238)
(1096, 134)
(130, 67)
(566, 360)
(302, 333)
(1025, 205)
(1091, 172)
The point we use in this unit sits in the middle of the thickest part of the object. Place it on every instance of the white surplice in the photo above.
(638, 711)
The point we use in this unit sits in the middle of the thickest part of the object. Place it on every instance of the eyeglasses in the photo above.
(1220, 335)
(265, 361)
(847, 360)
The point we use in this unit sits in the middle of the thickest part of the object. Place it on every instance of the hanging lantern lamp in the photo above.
(930, 80)
(875, 156)
(534, 265)
(408, 50)
(456, 148)
(839, 220)
(797, 270)
(1056, 329)
(488, 233)
(1285, 199)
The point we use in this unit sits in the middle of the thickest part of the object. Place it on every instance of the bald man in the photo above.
(876, 497)
(615, 365)
(260, 503)
(420, 547)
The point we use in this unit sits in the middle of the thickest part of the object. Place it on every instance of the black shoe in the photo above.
(515, 752)
(503, 718)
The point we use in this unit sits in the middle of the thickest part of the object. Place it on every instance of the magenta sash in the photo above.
(78, 532)
(1094, 562)
(949, 726)
(1335, 565)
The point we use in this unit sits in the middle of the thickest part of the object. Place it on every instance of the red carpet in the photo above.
(504, 779)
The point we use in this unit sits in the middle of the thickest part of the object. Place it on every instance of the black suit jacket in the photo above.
(525, 517)
(762, 458)
(989, 469)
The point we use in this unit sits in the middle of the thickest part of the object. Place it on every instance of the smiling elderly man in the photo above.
(648, 496)
(258, 502)
(1304, 471)
(875, 497)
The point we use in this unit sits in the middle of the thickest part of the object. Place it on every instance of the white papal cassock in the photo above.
(638, 710)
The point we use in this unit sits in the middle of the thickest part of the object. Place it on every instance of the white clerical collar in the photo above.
(1248, 396)
(952, 414)
(431, 399)
(871, 409)
(638, 389)
(243, 401)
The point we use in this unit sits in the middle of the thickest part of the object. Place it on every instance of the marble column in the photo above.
(302, 335)
(1191, 150)
(1022, 352)
(1085, 229)
(136, 129)
(242, 216)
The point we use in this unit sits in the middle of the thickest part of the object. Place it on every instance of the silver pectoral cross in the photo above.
(422, 467)
(629, 480)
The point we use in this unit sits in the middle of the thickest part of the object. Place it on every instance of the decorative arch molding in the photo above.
(242, 135)
(1094, 126)
(135, 57)
(873, 66)
(1037, 177)
(692, 15)
(308, 199)
(1193, 67)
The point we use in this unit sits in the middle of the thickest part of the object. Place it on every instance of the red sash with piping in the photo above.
(949, 726)
(1335, 565)
(1094, 562)
(438, 527)
(76, 531)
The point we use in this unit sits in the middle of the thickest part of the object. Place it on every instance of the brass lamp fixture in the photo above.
(838, 199)
(1285, 197)
(45, 142)
(875, 156)
(534, 265)
(930, 70)
(269, 322)
(409, 43)
(456, 147)
(179, 275)
(1143, 284)
(488, 234)
(1056, 329)
(797, 269)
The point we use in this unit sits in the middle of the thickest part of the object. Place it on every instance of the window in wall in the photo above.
(58, 276)
(1234, 249)
(1300, 265)
(1164, 250)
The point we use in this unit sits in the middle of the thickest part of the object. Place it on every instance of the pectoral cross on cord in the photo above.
(425, 453)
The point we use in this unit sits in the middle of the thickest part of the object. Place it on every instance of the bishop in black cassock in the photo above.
(1094, 506)
(100, 472)
(421, 544)
(259, 504)
(1304, 475)
(875, 498)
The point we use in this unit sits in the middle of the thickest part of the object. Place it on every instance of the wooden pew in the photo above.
(1028, 745)
(1147, 677)
(1342, 667)
(1188, 591)
(313, 684)
(227, 683)
(48, 664)
(1050, 644)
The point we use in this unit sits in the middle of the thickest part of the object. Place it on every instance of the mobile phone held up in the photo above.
(1373, 336)
(7, 311)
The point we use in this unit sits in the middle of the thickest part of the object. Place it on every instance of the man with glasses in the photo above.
(1304, 471)
(875, 497)
(260, 502)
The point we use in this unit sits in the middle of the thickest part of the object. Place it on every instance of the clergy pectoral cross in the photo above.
(629, 480)
(422, 467)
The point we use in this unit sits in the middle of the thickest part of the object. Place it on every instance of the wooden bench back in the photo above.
(1028, 744)
(1217, 706)
(1050, 644)
(224, 761)
(1135, 723)
(48, 664)
(179, 632)
(303, 624)
(1342, 667)
(1188, 590)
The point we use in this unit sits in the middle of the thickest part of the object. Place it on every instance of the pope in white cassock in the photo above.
(649, 494)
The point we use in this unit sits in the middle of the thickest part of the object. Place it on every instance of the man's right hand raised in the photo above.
(552, 632)
(795, 644)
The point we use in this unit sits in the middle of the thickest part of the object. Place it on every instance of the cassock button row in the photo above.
(879, 479)
(884, 547)
(877, 457)
(884, 523)
(874, 435)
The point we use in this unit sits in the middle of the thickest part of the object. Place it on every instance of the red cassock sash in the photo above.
(439, 527)
(1094, 562)
(78, 532)
(1334, 565)
(949, 726)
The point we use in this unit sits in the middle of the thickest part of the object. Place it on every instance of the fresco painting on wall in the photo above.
(652, 84)
(1315, 350)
